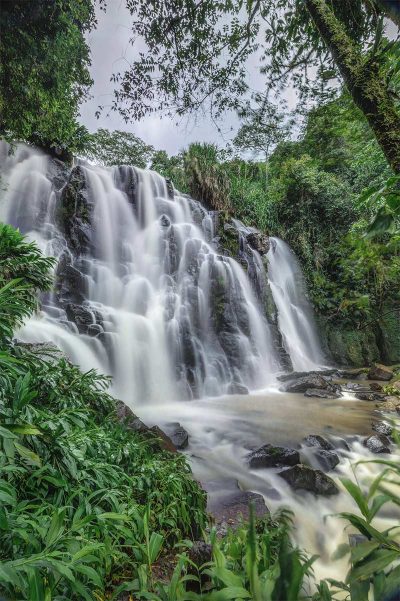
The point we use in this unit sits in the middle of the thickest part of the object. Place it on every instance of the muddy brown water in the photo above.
(223, 430)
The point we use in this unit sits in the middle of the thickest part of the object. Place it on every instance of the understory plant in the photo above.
(85, 503)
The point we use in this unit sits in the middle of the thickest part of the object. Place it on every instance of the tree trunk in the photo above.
(363, 78)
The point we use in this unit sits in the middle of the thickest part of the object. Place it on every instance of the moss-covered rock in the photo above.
(74, 211)
(348, 346)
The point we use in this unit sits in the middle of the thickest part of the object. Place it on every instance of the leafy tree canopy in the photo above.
(44, 70)
(196, 53)
(117, 148)
(263, 127)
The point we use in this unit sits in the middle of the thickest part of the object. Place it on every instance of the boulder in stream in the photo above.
(322, 394)
(382, 428)
(328, 460)
(178, 435)
(380, 372)
(302, 477)
(377, 443)
(312, 381)
(315, 440)
(270, 456)
(370, 396)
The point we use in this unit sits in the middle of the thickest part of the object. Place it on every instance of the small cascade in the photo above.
(140, 291)
(295, 313)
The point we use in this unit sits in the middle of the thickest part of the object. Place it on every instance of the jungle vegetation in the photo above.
(88, 507)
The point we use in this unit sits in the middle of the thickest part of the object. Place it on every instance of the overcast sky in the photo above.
(110, 49)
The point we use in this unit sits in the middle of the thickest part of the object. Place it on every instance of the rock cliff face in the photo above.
(378, 341)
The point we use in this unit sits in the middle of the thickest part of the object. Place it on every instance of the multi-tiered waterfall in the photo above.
(143, 290)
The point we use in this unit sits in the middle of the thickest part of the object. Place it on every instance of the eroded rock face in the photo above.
(259, 242)
(305, 478)
(270, 456)
(377, 443)
(380, 372)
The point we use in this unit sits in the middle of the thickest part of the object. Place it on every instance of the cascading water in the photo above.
(295, 313)
(140, 292)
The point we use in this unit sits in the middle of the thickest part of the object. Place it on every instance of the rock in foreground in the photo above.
(270, 456)
(377, 443)
(305, 478)
(380, 372)
(309, 383)
(315, 440)
(328, 460)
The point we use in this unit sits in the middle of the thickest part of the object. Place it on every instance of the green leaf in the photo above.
(357, 494)
(154, 547)
(379, 560)
(90, 573)
(6, 433)
(27, 454)
(362, 550)
(110, 515)
(56, 527)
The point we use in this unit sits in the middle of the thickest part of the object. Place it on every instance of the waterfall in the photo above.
(295, 313)
(141, 291)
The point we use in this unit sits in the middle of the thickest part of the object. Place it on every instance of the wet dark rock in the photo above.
(259, 242)
(94, 329)
(352, 374)
(370, 396)
(326, 373)
(382, 428)
(237, 388)
(270, 456)
(82, 316)
(376, 387)
(322, 394)
(170, 188)
(75, 210)
(200, 553)
(165, 221)
(178, 435)
(328, 460)
(315, 440)
(305, 478)
(377, 443)
(380, 372)
(308, 382)
(127, 180)
(354, 387)
(165, 442)
(235, 505)
(131, 421)
(70, 284)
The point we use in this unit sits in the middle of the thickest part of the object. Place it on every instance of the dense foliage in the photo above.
(117, 148)
(86, 504)
(196, 54)
(44, 60)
